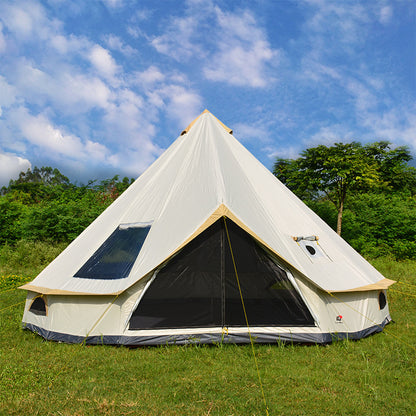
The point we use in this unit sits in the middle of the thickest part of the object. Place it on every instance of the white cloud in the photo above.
(362, 95)
(20, 21)
(113, 4)
(41, 132)
(182, 104)
(248, 132)
(328, 135)
(115, 43)
(135, 32)
(285, 152)
(241, 66)
(244, 56)
(8, 93)
(237, 52)
(314, 70)
(28, 20)
(10, 167)
(103, 62)
(178, 41)
(69, 44)
(81, 91)
(395, 125)
(149, 77)
(2, 40)
(71, 91)
(340, 21)
(386, 13)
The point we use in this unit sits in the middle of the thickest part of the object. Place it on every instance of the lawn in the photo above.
(372, 376)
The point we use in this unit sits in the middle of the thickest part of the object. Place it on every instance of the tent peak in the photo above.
(227, 129)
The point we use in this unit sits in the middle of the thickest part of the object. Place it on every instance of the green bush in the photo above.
(12, 214)
(27, 256)
(375, 224)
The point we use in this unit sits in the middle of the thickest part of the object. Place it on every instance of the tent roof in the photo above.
(204, 174)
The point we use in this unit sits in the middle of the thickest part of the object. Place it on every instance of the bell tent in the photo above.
(206, 246)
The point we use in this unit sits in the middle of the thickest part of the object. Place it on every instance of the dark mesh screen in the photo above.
(116, 256)
(382, 301)
(198, 287)
(38, 306)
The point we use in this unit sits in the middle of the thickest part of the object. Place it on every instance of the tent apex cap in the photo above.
(227, 129)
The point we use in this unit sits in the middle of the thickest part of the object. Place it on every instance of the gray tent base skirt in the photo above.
(258, 338)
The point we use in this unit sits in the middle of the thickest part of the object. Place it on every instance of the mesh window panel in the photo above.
(116, 256)
(38, 306)
(198, 287)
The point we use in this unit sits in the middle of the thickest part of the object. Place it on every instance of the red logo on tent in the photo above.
(339, 318)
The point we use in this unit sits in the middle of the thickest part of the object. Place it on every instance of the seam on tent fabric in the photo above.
(245, 316)
(373, 322)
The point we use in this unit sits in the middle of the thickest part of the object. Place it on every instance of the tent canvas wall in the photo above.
(203, 231)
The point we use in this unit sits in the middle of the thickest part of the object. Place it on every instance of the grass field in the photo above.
(373, 376)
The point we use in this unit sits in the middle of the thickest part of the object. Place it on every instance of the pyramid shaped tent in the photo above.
(203, 231)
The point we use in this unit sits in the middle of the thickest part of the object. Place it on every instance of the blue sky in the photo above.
(98, 88)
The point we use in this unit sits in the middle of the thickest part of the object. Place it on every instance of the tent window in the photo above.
(382, 301)
(38, 306)
(198, 287)
(116, 256)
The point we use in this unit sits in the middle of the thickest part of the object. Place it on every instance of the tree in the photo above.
(45, 175)
(334, 171)
(395, 173)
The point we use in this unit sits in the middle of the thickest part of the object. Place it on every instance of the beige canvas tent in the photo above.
(205, 229)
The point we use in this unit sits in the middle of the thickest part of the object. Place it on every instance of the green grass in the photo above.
(372, 376)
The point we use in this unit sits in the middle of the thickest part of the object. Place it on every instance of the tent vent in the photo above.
(38, 306)
(382, 301)
(311, 247)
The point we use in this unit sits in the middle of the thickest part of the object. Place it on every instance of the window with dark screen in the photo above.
(116, 256)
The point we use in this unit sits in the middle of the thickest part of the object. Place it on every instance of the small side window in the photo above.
(38, 306)
(382, 301)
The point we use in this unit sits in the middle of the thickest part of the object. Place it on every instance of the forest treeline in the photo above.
(43, 205)
(368, 190)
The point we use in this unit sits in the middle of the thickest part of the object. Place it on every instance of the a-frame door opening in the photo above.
(198, 287)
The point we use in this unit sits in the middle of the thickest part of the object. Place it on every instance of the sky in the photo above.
(102, 87)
